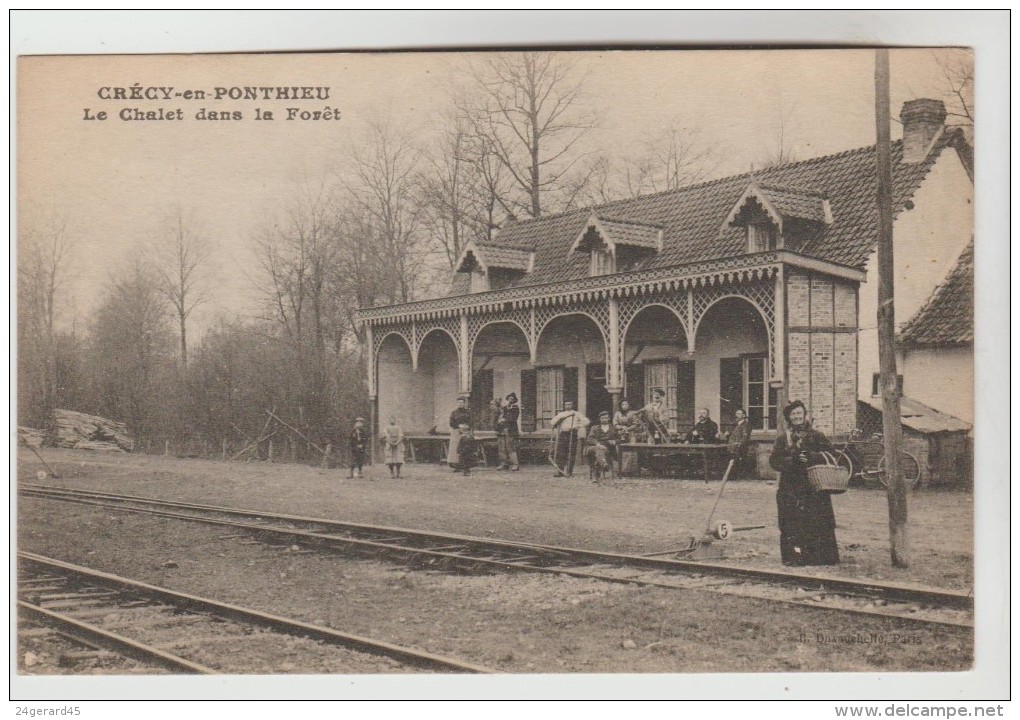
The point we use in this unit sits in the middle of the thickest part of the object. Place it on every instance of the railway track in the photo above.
(902, 602)
(183, 633)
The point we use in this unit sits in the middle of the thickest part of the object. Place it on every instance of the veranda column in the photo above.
(465, 357)
(373, 390)
(778, 349)
(689, 325)
(614, 385)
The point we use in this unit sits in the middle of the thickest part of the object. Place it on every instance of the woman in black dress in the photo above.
(807, 526)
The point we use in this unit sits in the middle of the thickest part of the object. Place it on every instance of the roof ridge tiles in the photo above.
(606, 218)
(757, 175)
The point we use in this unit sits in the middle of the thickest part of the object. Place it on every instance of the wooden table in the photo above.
(435, 448)
(432, 445)
(706, 451)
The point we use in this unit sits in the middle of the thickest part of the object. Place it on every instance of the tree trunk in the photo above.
(184, 341)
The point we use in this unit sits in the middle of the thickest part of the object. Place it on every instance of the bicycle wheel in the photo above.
(909, 468)
(844, 460)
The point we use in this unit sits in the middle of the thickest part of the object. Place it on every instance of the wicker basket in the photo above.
(830, 477)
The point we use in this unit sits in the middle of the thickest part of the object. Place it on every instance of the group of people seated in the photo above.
(647, 425)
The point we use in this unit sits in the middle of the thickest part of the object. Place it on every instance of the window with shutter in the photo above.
(482, 387)
(634, 392)
(685, 393)
(528, 400)
(731, 390)
(759, 399)
(570, 387)
(550, 394)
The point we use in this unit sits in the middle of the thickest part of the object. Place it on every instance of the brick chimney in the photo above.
(922, 120)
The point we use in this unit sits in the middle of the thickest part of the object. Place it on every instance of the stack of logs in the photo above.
(90, 432)
(30, 436)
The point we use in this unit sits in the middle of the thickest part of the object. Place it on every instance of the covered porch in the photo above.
(743, 332)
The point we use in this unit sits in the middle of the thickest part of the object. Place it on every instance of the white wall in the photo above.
(423, 398)
(942, 378)
(438, 374)
(402, 392)
(927, 242)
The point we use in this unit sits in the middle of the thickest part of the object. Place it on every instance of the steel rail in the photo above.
(97, 637)
(256, 617)
(519, 563)
(888, 590)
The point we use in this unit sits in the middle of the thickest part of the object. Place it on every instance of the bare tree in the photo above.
(665, 160)
(449, 186)
(528, 108)
(131, 349)
(44, 255)
(177, 260)
(957, 68)
(384, 192)
(669, 159)
(297, 254)
(783, 150)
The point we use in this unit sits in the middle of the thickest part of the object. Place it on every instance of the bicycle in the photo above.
(865, 458)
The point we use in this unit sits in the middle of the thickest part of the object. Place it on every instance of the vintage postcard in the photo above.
(495, 362)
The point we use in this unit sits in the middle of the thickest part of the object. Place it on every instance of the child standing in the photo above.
(467, 449)
(358, 445)
(393, 439)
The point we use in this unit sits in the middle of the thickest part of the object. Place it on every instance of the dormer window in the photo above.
(493, 267)
(479, 280)
(778, 217)
(602, 262)
(761, 236)
(616, 245)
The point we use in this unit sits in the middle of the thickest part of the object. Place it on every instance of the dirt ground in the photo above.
(519, 623)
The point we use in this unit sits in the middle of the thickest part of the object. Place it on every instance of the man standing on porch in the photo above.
(568, 424)
(739, 444)
(458, 417)
(509, 432)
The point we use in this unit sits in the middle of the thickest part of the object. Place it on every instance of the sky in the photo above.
(117, 181)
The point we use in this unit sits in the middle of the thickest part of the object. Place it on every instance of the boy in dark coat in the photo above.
(358, 446)
(468, 449)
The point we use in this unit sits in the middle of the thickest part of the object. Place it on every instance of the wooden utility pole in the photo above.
(892, 431)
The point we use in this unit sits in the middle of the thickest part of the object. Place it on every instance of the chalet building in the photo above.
(739, 292)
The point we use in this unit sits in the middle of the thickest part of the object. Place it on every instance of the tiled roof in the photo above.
(503, 257)
(947, 318)
(796, 203)
(690, 217)
(497, 256)
(631, 233)
(919, 417)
